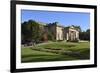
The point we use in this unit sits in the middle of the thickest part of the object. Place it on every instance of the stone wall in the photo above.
(59, 33)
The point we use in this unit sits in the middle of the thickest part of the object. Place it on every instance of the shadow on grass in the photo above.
(30, 55)
(55, 55)
(48, 58)
(81, 54)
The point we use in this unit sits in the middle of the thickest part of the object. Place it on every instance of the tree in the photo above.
(85, 35)
(51, 36)
(77, 28)
(26, 32)
(32, 30)
(88, 34)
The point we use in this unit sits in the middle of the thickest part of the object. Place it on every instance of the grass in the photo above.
(56, 51)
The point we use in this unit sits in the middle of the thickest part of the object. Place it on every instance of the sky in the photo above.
(64, 18)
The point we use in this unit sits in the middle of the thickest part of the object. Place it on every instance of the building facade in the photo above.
(63, 33)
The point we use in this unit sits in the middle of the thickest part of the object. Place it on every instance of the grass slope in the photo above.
(46, 52)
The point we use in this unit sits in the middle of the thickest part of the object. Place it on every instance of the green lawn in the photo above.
(56, 51)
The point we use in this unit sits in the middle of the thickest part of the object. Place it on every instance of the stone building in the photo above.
(63, 33)
(71, 34)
